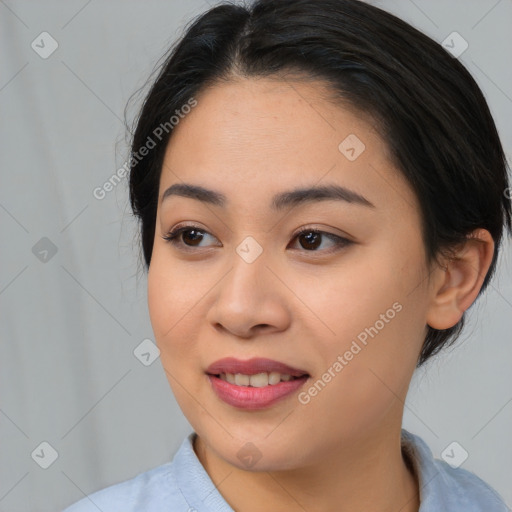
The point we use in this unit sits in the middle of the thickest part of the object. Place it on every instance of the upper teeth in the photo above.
(258, 380)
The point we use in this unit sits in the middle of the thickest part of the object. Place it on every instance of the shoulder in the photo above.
(447, 488)
(151, 491)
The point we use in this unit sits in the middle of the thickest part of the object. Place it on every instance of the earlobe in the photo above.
(457, 283)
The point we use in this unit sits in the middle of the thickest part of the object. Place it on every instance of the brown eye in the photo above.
(187, 236)
(311, 239)
(191, 236)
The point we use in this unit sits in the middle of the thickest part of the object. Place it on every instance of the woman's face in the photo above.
(347, 313)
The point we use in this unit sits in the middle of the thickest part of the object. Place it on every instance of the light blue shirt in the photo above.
(183, 485)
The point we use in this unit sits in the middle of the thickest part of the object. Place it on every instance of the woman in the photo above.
(322, 195)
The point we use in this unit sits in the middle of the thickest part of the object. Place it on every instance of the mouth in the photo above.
(257, 380)
(251, 367)
(256, 383)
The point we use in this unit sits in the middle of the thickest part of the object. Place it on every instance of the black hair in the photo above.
(430, 111)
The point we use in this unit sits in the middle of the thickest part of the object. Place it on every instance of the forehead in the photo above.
(254, 137)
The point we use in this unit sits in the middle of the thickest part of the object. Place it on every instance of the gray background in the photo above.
(70, 324)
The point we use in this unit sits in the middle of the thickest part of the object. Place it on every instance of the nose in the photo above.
(250, 299)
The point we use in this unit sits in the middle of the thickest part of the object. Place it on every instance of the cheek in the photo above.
(376, 312)
(174, 291)
(172, 304)
(171, 310)
(348, 298)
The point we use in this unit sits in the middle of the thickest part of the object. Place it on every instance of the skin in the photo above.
(250, 139)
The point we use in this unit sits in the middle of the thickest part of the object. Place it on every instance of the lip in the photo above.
(248, 397)
(252, 367)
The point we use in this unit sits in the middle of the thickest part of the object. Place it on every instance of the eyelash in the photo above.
(340, 242)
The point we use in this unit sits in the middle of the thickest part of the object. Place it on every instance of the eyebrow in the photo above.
(279, 201)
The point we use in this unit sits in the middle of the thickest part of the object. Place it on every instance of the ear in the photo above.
(458, 280)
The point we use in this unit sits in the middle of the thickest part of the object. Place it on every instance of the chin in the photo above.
(256, 453)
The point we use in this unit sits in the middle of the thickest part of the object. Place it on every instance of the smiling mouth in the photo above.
(257, 391)
(257, 380)
(254, 384)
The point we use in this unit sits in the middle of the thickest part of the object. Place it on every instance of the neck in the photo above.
(370, 474)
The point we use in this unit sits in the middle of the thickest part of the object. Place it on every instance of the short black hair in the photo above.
(429, 110)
